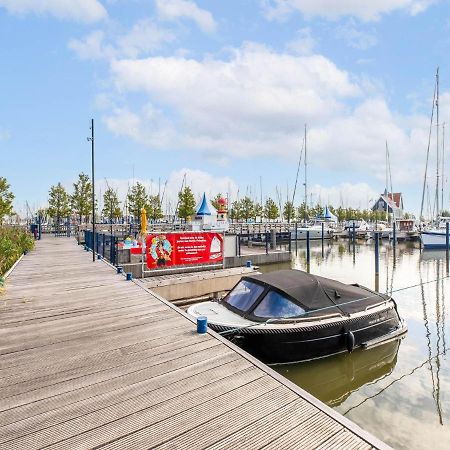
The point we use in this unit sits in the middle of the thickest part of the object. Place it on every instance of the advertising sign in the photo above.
(180, 249)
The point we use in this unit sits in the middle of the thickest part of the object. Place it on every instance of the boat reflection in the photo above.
(333, 379)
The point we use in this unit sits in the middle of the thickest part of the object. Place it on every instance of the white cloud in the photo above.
(174, 9)
(334, 9)
(199, 181)
(303, 44)
(92, 46)
(253, 104)
(348, 195)
(356, 37)
(87, 11)
(255, 92)
(149, 127)
(144, 38)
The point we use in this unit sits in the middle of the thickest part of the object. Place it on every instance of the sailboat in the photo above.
(436, 236)
(320, 225)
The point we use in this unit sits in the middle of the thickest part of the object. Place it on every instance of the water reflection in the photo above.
(332, 380)
(399, 392)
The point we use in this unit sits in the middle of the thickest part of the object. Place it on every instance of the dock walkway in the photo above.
(89, 360)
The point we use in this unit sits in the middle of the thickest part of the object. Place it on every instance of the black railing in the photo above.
(105, 245)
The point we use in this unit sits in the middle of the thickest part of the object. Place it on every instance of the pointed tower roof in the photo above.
(205, 208)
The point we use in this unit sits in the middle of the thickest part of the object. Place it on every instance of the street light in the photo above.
(91, 138)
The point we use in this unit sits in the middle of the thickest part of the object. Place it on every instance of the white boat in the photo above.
(405, 230)
(433, 238)
(436, 237)
(315, 232)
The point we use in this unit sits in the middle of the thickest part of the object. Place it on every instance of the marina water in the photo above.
(399, 391)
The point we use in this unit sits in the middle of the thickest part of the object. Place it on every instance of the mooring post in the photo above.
(447, 247)
(447, 230)
(377, 254)
(394, 234)
(267, 242)
(273, 234)
(354, 232)
(308, 248)
(377, 261)
(322, 239)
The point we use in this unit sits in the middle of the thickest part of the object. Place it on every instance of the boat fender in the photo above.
(350, 341)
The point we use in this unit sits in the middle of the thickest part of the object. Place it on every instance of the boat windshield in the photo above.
(244, 295)
(277, 305)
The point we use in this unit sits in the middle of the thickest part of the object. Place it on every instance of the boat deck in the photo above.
(89, 360)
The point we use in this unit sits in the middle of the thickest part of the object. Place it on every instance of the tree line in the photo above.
(246, 209)
(62, 204)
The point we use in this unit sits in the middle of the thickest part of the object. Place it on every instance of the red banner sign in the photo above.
(179, 249)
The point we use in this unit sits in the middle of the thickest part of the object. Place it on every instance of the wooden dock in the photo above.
(89, 360)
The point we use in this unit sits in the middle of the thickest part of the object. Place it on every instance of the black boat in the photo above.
(291, 315)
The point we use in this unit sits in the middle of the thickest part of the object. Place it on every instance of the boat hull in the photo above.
(433, 239)
(318, 340)
(314, 233)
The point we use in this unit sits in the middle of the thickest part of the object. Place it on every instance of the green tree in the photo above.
(236, 211)
(288, 211)
(6, 199)
(58, 203)
(155, 210)
(302, 213)
(137, 199)
(81, 198)
(258, 211)
(111, 205)
(271, 211)
(186, 203)
(340, 214)
(247, 208)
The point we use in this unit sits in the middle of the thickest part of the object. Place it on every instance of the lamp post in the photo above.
(93, 189)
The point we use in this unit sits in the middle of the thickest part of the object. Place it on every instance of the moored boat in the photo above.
(315, 232)
(436, 237)
(291, 315)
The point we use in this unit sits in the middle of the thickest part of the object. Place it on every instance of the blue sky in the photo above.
(221, 90)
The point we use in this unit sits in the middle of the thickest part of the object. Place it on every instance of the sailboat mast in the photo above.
(387, 182)
(306, 181)
(442, 165)
(437, 142)
(425, 185)
(386, 161)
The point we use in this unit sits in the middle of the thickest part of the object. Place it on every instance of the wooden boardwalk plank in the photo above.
(88, 359)
(160, 388)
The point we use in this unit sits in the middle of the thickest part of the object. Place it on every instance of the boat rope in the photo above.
(306, 313)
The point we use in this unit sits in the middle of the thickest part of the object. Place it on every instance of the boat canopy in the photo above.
(319, 295)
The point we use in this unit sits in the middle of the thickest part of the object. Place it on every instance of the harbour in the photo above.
(134, 372)
(397, 391)
(225, 225)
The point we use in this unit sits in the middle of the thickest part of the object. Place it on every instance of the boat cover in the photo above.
(319, 295)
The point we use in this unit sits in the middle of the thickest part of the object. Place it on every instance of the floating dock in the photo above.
(90, 360)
